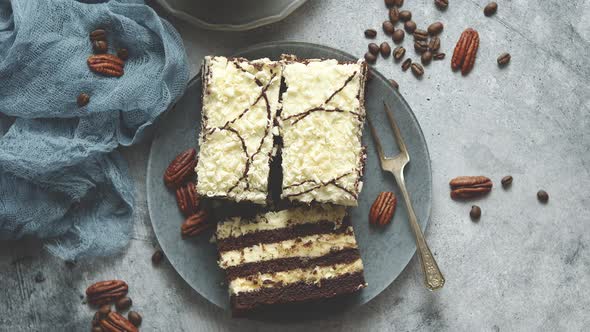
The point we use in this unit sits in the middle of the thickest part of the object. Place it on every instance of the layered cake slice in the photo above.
(321, 125)
(294, 255)
(240, 101)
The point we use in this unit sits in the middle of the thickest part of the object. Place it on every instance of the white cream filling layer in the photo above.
(315, 245)
(312, 275)
(235, 227)
(322, 146)
(231, 100)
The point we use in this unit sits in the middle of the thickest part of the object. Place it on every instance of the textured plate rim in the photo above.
(376, 74)
(286, 11)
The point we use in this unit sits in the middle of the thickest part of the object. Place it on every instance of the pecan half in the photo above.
(187, 199)
(383, 209)
(106, 291)
(180, 169)
(465, 51)
(195, 224)
(106, 64)
(470, 186)
(115, 322)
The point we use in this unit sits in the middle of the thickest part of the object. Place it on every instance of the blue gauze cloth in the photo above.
(61, 178)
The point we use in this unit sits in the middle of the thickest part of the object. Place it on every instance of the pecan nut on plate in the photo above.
(195, 224)
(187, 199)
(180, 169)
(383, 209)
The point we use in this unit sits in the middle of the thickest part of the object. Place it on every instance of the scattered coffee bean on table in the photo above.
(82, 100)
(406, 64)
(134, 318)
(100, 46)
(398, 36)
(439, 56)
(475, 212)
(543, 196)
(373, 48)
(434, 44)
(420, 46)
(98, 34)
(370, 58)
(441, 4)
(417, 69)
(388, 28)
(394, 84)
(389, 3)
(503, 59)
(394, 15)
(490, 9)
(123, 303)
(157, 257)
(385, 49)
(506, 181)
(370, 33)
(435, 28)
(410, 26)
(420, 34)
(426, 58)
(405, 15)
(399, 52)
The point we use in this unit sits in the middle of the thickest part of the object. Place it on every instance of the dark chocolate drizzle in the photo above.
(227, 126)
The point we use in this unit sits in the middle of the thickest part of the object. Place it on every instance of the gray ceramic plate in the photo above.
(385, 251)
(231, 15)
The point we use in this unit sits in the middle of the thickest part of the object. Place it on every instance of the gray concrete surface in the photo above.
(523, 267)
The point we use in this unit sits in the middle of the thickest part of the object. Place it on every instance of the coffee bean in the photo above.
(543, 196)
(122, 53)
(98, 34)
(385, 49)
(439, 56)
(96, 319)
(103, 311)
(100, 46)
(389, 3)
(420, 34)
(399, 52)
(373, 48)
(123, 303)
(399, 3)
(441, 4)
(420, 46)
(410, 26)
(406, 64)
(434, 44)
(394, 15)
(388, 28)
(370, 58)
(39, 277)
(370, 33)
(490, 9)
(506, 181)
(435, 28)
(157, 257)
(82, 100)
(134, 318)
(475, 212)
(426, 58)
(97, 329)
(405, 15)
(394, 84)
(398, 36)
(503, 59)
(417, 69)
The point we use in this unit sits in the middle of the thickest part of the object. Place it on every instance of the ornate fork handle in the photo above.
(433, 278)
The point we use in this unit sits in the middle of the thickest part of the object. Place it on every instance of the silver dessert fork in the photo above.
(433, 278)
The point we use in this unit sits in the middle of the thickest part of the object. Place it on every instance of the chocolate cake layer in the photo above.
(281, 234)
(298, 292)
(285, 264)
